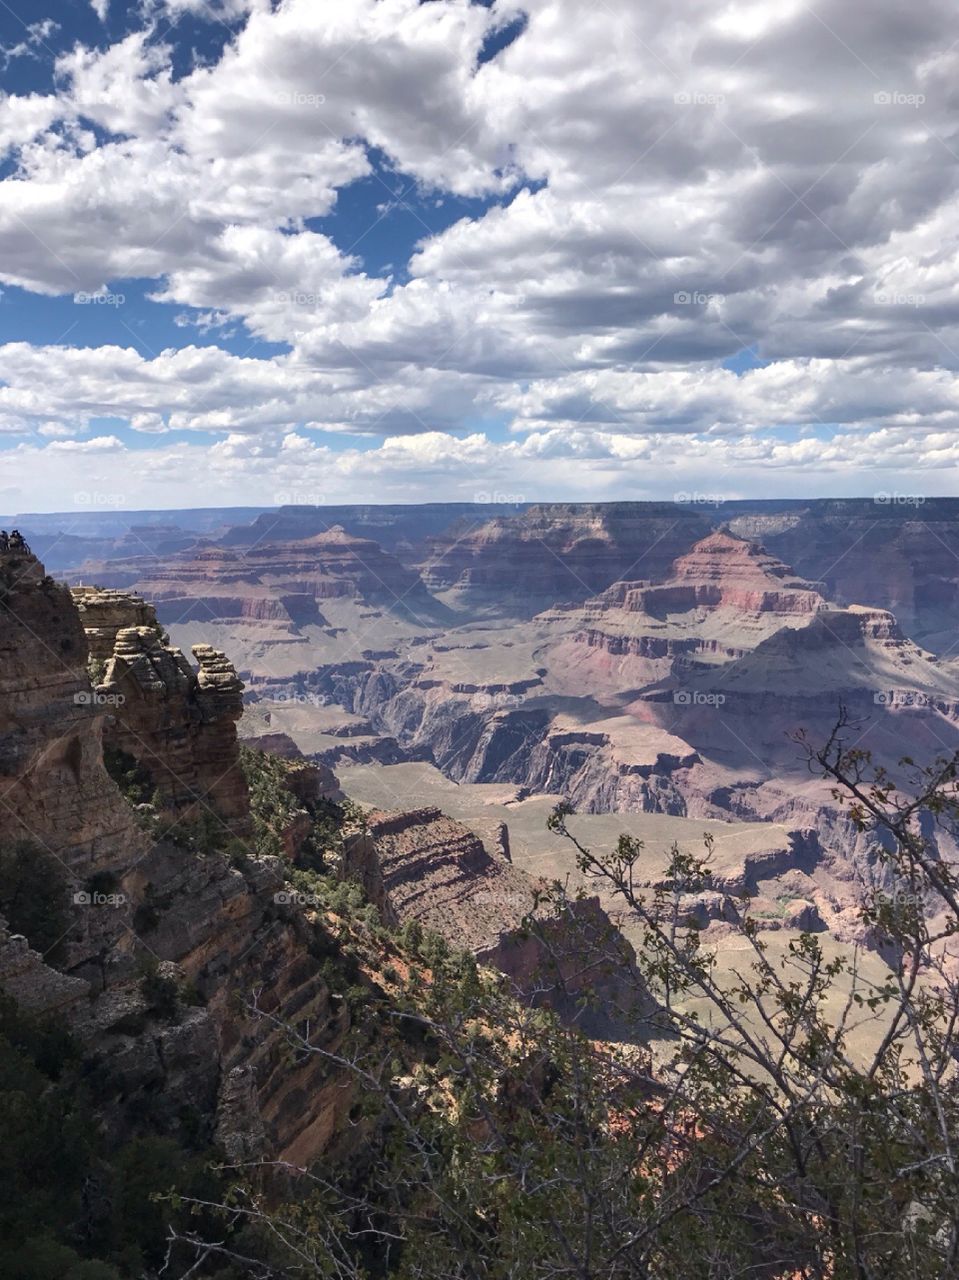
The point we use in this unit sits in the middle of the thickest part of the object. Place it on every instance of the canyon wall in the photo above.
(896, 551)
(137, 904)
(552, 553)
(425, 867)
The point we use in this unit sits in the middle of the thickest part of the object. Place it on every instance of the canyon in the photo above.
(268, 781)
(642, 661)
(655, 665)
(126, 788)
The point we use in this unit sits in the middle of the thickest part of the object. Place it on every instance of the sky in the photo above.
(325, 251)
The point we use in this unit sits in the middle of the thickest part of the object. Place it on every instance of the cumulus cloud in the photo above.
(277, 467)
(663, 190)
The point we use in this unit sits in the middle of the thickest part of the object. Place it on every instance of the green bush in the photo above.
(129, 775)
(71, 1206)
(33, 895)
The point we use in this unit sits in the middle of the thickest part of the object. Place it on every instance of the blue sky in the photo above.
(384, 250)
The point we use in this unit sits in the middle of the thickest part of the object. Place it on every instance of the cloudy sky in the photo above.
(335, 250)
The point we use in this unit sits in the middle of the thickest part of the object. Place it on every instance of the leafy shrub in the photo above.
(130, 775)
(33, 895)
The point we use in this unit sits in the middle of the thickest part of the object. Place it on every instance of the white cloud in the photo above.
(715, 177)
(23, 118)
(98, 444)
(574, 466)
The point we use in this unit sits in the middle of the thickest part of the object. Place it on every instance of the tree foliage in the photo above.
(757, 1139)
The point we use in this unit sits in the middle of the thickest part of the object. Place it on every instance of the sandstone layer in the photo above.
(720, 600)
(275, 587)
(177, 723)
(554, 553)
(424, 866)
(133, 900)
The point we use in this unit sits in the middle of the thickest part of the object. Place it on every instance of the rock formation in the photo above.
(898, 552)
(106, 612)
(177, 723)
(275, 587)
(423, 866)
(215, 933)
(133, 900)
(719, 601)
(53, 787)
(398, 527)
(553, 553)
(742, 720)
(312, 786)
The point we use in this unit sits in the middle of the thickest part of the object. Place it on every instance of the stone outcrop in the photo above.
(397, 527)
(743, 720)
(896, 552)
(55, 791)
(721, 599)
(274, 587)
(106, 612)
(35, 985)
(178, 723)
(312, 785)
(423, 866)
(224, 930)
(722, 572)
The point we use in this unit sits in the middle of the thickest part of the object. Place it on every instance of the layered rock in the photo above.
(177, 723)
(553, 553)
(54, 789)
(226, 930)
(725, 572)
(277, 587)
(312, 785)
(397, 527)
(106, 612)
(720, 600)
(898, 552)
(208, 584)
(743, 720)
(35, 985)
(423, 866)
